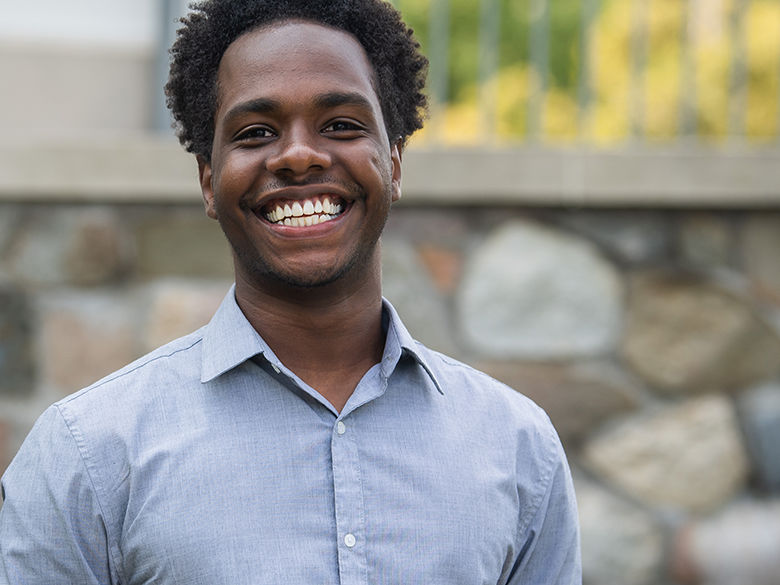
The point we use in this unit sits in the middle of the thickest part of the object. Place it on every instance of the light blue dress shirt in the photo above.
(209, 462)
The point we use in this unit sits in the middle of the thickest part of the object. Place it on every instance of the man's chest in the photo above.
(358, 501)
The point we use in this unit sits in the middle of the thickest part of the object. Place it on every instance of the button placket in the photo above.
(348, 504)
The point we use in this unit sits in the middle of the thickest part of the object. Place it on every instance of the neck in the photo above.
(330, 336)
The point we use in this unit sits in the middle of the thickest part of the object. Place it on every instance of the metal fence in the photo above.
(589, 102)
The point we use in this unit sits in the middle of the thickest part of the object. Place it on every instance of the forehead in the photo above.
(289, 57)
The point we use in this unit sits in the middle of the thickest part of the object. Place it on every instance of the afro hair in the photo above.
(212, 25)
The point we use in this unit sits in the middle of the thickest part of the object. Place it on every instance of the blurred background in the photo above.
(591, 215)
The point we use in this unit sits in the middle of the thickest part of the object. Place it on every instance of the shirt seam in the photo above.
(122, 373)
(81, 448)
(524, 522)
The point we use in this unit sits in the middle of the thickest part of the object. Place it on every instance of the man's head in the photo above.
(399, 68)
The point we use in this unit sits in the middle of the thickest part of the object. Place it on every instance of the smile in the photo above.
(305, 212)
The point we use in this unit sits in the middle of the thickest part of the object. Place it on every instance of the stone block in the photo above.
(444, 266)
(684, 335)
(9, 220)
(578, 398)
(706, 240)
(17, 358)
(622, 544)
(533, 293)
(35, 257)
(688, 456)
(439, 225)
(183, 243)
(630, 236)
(760, 245)
(738, 545)
(178, 307)
(98, 251)
(86, 336)
(69, 245)
(405, 282)
(759, 409)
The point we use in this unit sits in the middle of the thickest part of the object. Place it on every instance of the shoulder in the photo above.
(491, 403)
(109, 417)
(468, 383)
(140, 380)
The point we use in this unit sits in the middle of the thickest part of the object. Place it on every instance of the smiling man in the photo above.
(302, 436)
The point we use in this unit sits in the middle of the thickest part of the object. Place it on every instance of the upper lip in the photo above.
(300, 193)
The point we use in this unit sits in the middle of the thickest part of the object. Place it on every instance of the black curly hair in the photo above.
(212, 25)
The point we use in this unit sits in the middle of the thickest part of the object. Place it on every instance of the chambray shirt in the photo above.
(209, 462)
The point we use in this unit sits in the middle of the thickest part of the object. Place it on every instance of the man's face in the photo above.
(302, 174)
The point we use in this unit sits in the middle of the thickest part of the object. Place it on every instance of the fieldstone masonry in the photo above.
(652, 338)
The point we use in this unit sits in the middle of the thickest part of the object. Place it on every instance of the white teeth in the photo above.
(305, 213)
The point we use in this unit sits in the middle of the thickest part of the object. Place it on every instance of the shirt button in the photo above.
(276, 368)
(341, 428)
(350, 540)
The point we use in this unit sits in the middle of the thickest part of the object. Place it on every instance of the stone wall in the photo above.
(652, 338)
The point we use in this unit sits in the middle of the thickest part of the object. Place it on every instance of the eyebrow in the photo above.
(323, 101)
(334, 99)
(256, 106)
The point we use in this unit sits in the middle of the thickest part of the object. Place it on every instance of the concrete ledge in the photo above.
(155, 169)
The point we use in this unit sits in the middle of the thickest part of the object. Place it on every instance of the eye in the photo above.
(343, 129)
(254, 133)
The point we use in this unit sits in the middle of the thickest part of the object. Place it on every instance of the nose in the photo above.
(298, 152)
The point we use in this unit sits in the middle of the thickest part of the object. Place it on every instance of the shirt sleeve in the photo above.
(51, 526)
(551, 551)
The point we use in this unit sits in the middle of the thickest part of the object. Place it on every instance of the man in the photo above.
(302, 436)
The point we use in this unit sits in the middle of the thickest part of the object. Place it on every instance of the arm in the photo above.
(550, 554)
(51, 524)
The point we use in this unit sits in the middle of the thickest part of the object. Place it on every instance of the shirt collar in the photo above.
(229, 340)
(399, 341)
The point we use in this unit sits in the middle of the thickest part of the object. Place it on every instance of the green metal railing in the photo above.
(538, 37)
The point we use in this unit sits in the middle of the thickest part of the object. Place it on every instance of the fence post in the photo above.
(166, 31)
(489, 34)
(540, 33)
(738, 76)
(585, 73)
(439, 23)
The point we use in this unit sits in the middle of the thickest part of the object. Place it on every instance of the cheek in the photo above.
(235, 177)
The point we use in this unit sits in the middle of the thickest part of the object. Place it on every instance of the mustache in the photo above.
(279, 183)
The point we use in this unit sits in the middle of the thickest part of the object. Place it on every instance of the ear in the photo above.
(395, 157)
(205, 174)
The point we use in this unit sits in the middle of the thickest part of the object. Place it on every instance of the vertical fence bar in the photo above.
(738, 76)
(166, 31)
(639, 42)
(777, 126)
(585, 73)
(540, 34)
(439, 24)
(489, 35)
(686, 127)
